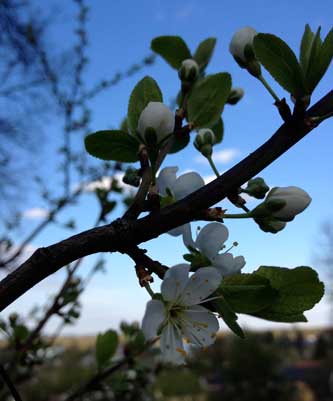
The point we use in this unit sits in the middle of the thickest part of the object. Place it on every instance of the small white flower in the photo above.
(296, 200)
(240, 39)
(158, 117)
(210, 242)
(180, 315)
(180, 187)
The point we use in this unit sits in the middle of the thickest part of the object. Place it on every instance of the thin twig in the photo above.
(5, 377)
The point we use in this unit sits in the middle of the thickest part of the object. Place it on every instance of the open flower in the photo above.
(180, 314)
(210, 242)
(156, 120)
(179, 188)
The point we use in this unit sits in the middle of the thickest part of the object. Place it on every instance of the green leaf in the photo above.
(310, 73)
(204, 52)
(207, 99)
(218, 129)
(144, 92)
(281, 317)
(228, 315)
(106, 346)
(180, 141)
(112, 145)
(280, 61)
(248, 293)
(172, 48)
(299, 290)
(305, 49)
(320, 61)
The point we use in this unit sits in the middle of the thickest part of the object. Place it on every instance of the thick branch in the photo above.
(123, 233)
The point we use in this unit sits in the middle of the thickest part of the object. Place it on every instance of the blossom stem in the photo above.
(268, 87)
(149, 290)
(212, 165)
(238, 216)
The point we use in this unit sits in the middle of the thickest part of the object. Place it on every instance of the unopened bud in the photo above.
(235, 96)
(241, 47)
(270, 225)
(257, 188)
(189, 70)
(204, 141)
(156, 122)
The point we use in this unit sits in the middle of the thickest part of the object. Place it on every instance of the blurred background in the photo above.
(67, 68)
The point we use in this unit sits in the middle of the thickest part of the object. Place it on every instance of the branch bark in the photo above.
(123, 234)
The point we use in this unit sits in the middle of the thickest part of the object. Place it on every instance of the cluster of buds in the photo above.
(204, 141)
(241, 47)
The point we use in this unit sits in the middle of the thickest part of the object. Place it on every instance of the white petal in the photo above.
(172, 345)
(200, 285)
(199, 326)
(153, 318)
(166, 179)
(185, 231)
(174, 282)
(211, 238)
(186, 184)
(227, 264)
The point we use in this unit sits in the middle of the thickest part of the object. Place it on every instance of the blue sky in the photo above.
(120, 34)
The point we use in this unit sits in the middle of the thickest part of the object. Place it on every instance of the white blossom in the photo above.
(159, 117)
(179, 187)
(180, 316)
(296, 200)
(240, 39)
(210, 242)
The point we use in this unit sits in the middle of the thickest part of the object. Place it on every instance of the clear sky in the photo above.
(120, 34)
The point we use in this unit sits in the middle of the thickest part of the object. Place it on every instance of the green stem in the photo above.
(237, 216)
(212, 165)
(149, 290)
(267, 86)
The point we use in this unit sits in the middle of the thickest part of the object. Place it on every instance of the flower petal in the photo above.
(211, 238)
(200, 285)
(174, 282)
(226, 264)
(166, 179)
(199, 326)
(185, 231)
(186, 184)
(172, 345)
(153, 318)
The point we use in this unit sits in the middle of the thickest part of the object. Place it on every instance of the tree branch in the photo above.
(123, 233)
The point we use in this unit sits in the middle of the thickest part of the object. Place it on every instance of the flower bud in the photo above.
(156, 122)
(204, 141)
(295, 199)
(189, 70)
(257, 188)
(270, 225)
(241, 47)
(235, 96)
(242, 39)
